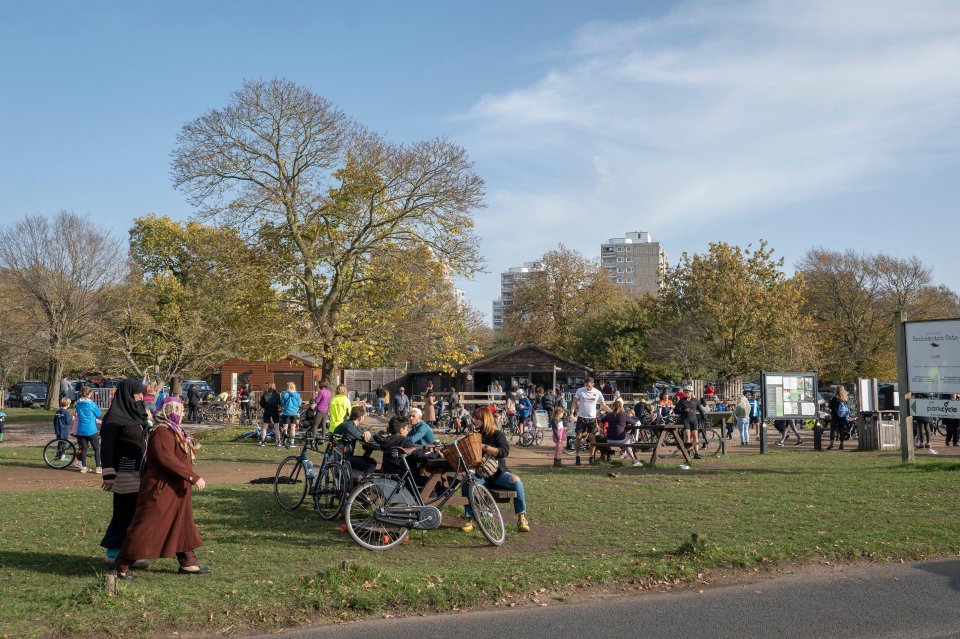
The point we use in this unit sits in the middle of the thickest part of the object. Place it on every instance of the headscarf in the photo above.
(124, 409)
(170, 414)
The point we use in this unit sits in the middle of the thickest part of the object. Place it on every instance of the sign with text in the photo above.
(789, 395)
(935, 408)
(933, 356)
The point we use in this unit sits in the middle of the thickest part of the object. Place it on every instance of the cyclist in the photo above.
(585, 403)
(690, 410)
(664, 405)
(524, 409)
(270, 403)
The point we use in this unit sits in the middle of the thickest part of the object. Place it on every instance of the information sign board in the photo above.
(933, 356)
(935, 408)
(789, 395)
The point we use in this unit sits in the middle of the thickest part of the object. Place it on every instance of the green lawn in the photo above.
(33, 415)
(274, 568)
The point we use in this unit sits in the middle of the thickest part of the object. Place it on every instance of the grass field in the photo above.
(274, 568)
(31, 415)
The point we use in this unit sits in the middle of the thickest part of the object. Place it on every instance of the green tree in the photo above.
(619, 337)
(728, 312)
(339, 209)
(197, 296)
(549, 304)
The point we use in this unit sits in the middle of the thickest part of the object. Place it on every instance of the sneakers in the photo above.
(98, 471)
(637, 464)
(932, 451)
(697, 456)
(62, 458)
(522, 524)
(468, 528)
(279, 444)
(78, 465)
(263, 443)
(291, 445)
(798, 443)
(779, 443)
(84, 469)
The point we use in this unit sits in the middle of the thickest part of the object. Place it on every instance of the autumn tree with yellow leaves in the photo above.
(359, 228)
(730, 312)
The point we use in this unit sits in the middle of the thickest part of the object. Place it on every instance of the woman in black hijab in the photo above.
(124, 442)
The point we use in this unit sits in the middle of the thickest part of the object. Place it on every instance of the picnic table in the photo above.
(662, 431)
(438, 470)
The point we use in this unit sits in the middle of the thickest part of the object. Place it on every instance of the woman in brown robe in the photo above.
(163, 523)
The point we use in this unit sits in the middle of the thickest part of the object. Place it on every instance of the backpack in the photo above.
(843, 410)
(742, 410)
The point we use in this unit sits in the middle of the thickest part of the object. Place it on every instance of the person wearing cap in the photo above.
(401, 403)
(689, 409)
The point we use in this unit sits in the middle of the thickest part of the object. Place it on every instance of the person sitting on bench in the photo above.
(350, 432)
(397, 442)
(616, 423)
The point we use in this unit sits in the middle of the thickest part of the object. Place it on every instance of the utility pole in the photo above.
(903, 381)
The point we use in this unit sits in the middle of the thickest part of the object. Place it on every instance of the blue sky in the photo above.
(813, 123)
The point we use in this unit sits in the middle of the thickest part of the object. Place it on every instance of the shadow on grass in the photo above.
(51, 563)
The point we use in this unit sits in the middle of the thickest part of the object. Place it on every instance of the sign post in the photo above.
(903, 386)
(786, 396)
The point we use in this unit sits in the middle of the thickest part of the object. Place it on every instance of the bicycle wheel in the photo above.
(709, 441)
(290, 483)
(360, 516)
(525, 439)
(332, 488)
(487, 514)
(52, 456)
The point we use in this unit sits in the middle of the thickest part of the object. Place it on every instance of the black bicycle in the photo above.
(59, 453)
(297, 476)
(382, 511)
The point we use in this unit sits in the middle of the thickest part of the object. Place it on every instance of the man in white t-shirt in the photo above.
(585, 403)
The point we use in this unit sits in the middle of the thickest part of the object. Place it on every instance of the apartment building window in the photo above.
(619, 280)
(629, 258)
(619, 259)
(629, 269)
(629, 280)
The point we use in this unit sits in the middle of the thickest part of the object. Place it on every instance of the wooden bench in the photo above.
(605, 448)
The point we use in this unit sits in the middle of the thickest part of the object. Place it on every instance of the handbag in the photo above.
(75, 425)
(488, 467)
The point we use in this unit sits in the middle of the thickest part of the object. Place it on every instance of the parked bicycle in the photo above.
(382, 511)
(328, 485)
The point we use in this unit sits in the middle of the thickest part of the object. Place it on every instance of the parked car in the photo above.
(206, 390)
(28, 393)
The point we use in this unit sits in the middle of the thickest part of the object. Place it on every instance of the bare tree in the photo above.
(57, 270)
(327, 199)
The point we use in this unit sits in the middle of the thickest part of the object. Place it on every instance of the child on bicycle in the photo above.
(62, 421)
(559, 431)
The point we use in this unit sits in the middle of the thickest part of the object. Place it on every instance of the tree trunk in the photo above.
(176, 385)
(54, 373)
(327, 369)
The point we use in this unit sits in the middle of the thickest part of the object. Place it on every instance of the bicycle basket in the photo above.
(470, 447)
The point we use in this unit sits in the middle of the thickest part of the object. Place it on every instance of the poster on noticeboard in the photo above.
(789, 395)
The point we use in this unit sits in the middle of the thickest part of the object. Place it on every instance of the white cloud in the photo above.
(720, 109)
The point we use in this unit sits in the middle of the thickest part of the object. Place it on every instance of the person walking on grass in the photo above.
(789, 425)
(88, 431)
(690, 412)
(124, 444)
(321, 404)
(163, 524)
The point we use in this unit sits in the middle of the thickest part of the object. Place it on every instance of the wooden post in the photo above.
(903, 388)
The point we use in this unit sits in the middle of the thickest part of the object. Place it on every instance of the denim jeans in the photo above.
(504, 482)
(381, 406)
(743, 425)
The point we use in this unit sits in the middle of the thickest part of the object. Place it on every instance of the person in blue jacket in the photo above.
(62, 420)
(524, 409)
(88, 431)
(290, 401)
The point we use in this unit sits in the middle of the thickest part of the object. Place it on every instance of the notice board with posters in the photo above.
(789, 395)
(933, 356)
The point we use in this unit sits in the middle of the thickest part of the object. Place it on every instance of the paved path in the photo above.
(886, 601)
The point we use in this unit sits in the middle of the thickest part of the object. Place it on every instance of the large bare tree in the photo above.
(852, 297)
(333, 203)
(57, 271)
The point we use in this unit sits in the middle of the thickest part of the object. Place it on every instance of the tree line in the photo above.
(312, 233)
(729, 312)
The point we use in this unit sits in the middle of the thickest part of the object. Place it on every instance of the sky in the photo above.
(814, 123)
